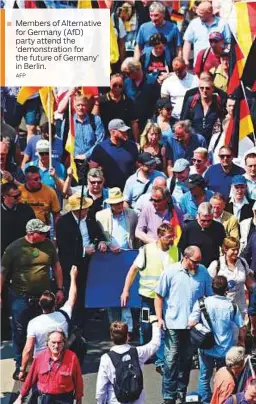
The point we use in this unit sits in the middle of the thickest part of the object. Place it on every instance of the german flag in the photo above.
(246, 24)
(44, 92)
(240, 124)
(249, 72)
(177, 17)
(176, 5)
(236, 65)
(175, 223)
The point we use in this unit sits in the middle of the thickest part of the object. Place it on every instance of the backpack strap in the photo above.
(204, 57)
(115, 357)
(92, 122)
(204, 312)
(134, 353)
(68, 320)
(172, 185)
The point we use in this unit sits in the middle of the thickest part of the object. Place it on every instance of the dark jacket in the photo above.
(249, 253)
(69, 240)
(246, 211)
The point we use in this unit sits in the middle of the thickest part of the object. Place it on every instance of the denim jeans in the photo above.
(121, 314)
(207, 364)
(177, 363)
(146, 330)
(22, 312)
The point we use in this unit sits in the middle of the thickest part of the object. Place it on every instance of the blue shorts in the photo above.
(31, 110)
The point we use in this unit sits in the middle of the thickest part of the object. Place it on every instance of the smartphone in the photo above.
(145, 314)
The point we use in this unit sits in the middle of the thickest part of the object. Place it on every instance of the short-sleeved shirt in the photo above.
(175, 89)
(217, 180)
(110, 109)
(176, 282)
(117, 162)
(46, 178)
(43, 202)
(205, 61)
(40, 326)
(28, 265)
(198, 33)
(57, 147)
(168, 29)
(188, 203)
(175, 150)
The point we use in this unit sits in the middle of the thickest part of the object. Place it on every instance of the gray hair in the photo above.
(96, 173)
(235, 356)
(131, 64)
(157, 6)
(59, 331)
(190, 251)
(205, 209)
(186, 125)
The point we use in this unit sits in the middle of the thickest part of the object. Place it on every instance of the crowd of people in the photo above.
(150, 171)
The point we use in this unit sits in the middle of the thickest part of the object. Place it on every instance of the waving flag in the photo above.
(175, 223)
(246, 24)
(236, 65)
(249, 72)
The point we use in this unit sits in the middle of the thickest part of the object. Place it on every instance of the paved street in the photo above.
(99, 343)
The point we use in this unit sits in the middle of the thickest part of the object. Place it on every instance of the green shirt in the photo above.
(28, 265)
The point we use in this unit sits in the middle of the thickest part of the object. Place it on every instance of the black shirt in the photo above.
(13, 223)
(156, 63)
(208, 240)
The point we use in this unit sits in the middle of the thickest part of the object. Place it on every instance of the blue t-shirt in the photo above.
(168, 29)
(118, 162)
(188, 203)
(218, 181)
(57, 148)
(175, 149)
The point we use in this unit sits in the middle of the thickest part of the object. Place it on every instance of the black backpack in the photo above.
(128, 383)
(76, 342)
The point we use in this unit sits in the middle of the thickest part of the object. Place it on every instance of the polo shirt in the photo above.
(117, 162)
(168, 29)
(198, 32)
(175, 150)
(175, 282)
(210, 61)
(223, 321)
(145, 96)
(57, 147)
(175, 89)
(13, 223)
(218, 181)
(110, 109)
(134, 187)
(85, 136)
(208, 240)
(188, 203)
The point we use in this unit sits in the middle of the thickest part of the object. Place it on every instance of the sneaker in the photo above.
(15, 375)
(181, 398)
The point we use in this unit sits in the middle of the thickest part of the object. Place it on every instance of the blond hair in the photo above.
(203, 151)
(144, 136)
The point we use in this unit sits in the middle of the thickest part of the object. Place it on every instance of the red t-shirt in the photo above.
(210, 61)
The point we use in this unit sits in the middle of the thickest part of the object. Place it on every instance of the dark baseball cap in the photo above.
(216, 36)
(147, 159)
(164, 103)
(195, 180)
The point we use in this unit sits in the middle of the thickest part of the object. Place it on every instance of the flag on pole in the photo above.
(236, 65)
(246, 24)
(249, 72)
(90, 91)
(47, 99)
(70, 144)
(176, 5)
(26, 92)
(240, 124)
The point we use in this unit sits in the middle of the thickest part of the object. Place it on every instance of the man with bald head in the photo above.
(198, 30)
(189, 279)
(176, 85)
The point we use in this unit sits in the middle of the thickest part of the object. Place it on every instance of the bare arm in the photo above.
(26, 355)
(186, 51)
(73, 287)
(66, 191)
(64, 102)
(179, 51)
(159, 310)
(137, 52)
(169, 168)
(141, 235)
(57, 270)
(25, 160)
(128, 283)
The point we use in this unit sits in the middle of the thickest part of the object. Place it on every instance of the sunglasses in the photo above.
(193, 261)
(156, 200)
(205, 220)
(227, 156)
(96, 182)
(196, 161)
(115, 85)
(15, 196)
(205, 88)
(43, 153)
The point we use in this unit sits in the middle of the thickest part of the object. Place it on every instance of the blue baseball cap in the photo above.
(239, 180)
(180, 165)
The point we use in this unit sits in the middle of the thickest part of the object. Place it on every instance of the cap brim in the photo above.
(44, 229)
(124, 128)
(191, 185)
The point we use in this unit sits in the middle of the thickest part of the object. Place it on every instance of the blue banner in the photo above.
(106, 277)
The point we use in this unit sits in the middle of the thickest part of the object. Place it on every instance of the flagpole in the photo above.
(50, 127)
(243, 89)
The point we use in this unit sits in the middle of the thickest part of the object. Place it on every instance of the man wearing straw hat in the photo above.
(78, 237)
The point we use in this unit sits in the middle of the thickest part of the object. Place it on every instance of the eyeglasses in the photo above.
(193, 261)
(115, 85)
(196, 161)
(204, 88)
(43, 153)
(156, 200)
(227, 156)
(206, 220)
(14, 196)
(96, 182)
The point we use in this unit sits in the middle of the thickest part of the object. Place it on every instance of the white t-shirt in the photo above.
(176, 89)
(236, 280)
(40, 326)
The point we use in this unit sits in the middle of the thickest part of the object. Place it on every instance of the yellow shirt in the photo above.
(43, 202)
(220, 78)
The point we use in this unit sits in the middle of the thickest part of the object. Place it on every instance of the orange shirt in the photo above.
(43, 202)
(223, 386)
